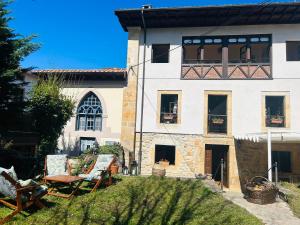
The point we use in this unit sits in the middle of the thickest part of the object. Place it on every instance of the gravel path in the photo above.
(278, 213)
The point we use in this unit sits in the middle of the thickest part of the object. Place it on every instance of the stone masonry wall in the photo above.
(187, 153)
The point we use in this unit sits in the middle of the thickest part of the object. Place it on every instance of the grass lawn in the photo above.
(293, 197)
(140, 200)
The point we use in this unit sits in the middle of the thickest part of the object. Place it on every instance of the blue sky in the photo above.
(82, 33)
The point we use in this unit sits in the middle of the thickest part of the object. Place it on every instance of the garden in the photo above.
(139, 200)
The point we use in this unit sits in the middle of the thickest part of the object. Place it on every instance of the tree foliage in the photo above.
(13, 48)
(50, 110)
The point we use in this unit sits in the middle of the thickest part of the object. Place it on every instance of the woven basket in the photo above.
(264, 196)
(158, 170)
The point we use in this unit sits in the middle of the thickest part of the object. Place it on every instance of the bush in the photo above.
(50, 110)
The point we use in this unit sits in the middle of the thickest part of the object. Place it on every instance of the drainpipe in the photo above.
(143, 89)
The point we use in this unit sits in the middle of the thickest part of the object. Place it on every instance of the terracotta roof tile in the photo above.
(103, 70)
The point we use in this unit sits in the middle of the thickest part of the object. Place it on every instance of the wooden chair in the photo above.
(97, 172)
(56, 165)
(23, 196)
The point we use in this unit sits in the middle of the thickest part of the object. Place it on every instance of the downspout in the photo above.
(142, 93)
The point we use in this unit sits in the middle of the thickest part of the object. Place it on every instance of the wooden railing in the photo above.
(231, 71)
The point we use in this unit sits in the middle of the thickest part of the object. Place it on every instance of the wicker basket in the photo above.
(158, 170)
(266, 195)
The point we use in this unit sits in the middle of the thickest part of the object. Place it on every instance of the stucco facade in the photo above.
(245, 103)
(109, 92)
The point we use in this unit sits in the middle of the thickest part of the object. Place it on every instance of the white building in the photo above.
(98, 96)
(215, 80)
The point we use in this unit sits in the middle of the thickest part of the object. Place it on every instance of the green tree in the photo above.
(13, 49)
(50, 110)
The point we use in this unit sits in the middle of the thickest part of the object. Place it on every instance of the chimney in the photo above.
(147, 6)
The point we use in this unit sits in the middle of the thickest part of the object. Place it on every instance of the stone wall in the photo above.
(252, 159)
(130, 93)
(187, 153)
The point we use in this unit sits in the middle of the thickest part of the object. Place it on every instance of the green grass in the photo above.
(293, 197)
(140, 200)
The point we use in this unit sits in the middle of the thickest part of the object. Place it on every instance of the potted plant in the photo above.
(116, 150)
(217, 120)
(164, 163)
(276, 119)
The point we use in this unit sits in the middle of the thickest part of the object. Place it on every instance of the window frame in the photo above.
(229, 112)
(225, 42)
(152, 53)
(286, 109)
(173, 146)
(86, 105)
(158, 114)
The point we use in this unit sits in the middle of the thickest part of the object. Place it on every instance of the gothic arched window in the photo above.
(89, 113)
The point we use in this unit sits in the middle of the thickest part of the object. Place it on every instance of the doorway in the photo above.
(213, 156)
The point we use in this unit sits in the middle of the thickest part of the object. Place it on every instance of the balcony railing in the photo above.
(275, 121)
(247, 70)
(217, 123)
(168, 117)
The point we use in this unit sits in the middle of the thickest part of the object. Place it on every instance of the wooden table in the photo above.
(73, 182)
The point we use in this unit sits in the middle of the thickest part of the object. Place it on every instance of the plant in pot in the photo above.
(116, 150)
(217, 120)
(164, 163)
(277, 119)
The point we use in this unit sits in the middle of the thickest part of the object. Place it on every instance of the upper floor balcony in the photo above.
(227, 57)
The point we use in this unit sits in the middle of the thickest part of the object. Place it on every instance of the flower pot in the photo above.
(276, 121)
(164, 163)
(114, 169)
(218, 121)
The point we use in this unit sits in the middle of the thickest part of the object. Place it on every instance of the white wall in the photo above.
(246, 94)
(111, 96)
(110, 93)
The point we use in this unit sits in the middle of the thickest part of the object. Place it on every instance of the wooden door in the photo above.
(226, 164)
(208, 161)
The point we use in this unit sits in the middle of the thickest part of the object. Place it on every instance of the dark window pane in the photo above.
(212, 53)
(165, 153)
(169, 108)
(260, 52)
(191, 54)
(283, 160)
(237, 53)
(293, 50)
(217, 113)
(160, 53)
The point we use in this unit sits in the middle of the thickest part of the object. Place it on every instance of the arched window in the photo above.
(89, 113)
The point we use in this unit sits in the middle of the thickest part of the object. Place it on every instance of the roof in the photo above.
(103, 74)
(224, 15)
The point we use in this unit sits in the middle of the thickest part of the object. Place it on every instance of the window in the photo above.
(191, 54)
(293, 50)
(283, 160)
(217, 113)
(160, 53)
(212, 51)
(86, 143)
(275, 112)
(165, 153)
(169, 108)
(237, 50)
(89, 113)
(209, 49)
